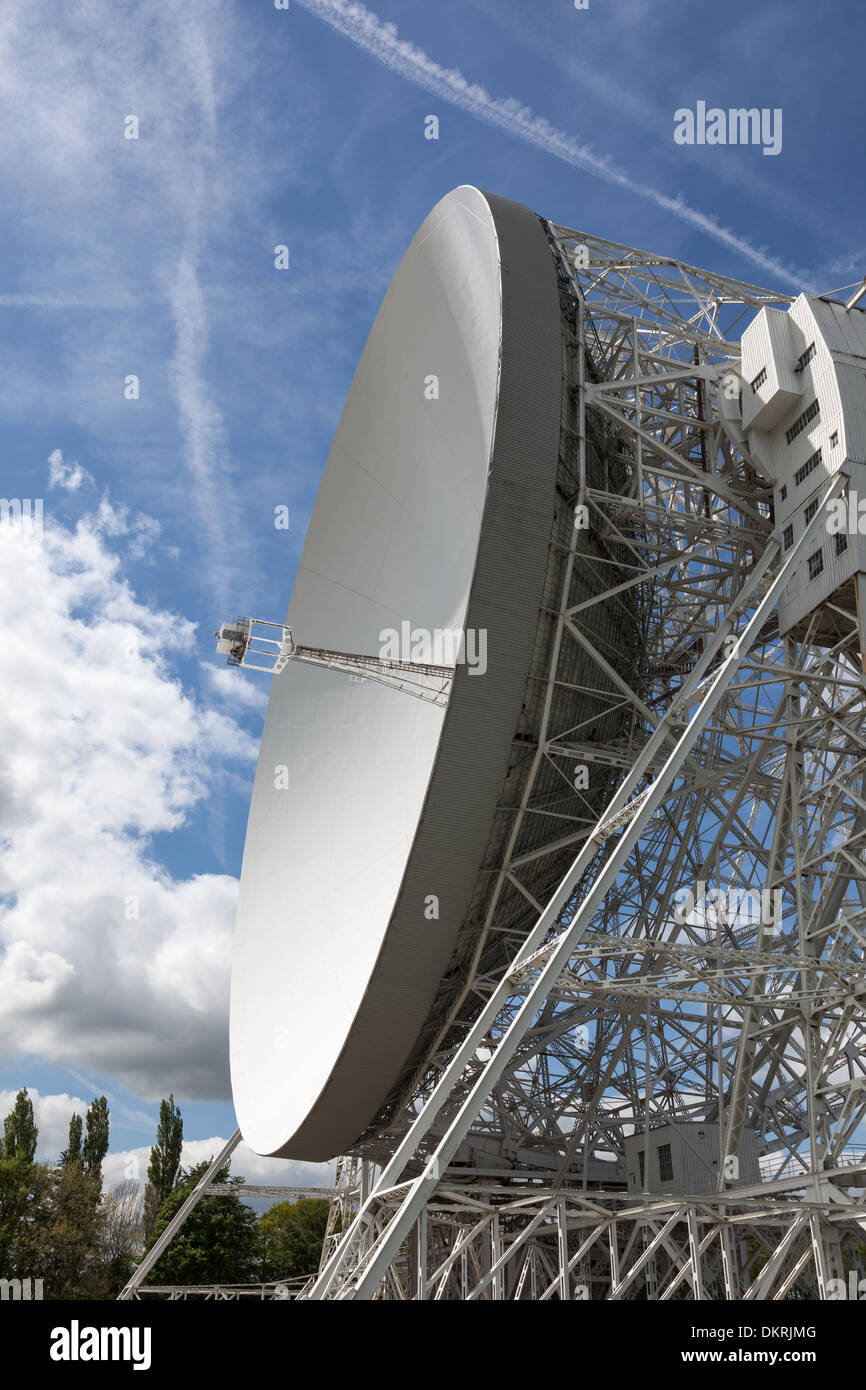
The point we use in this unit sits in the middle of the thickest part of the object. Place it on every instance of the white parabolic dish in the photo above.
(435, 511)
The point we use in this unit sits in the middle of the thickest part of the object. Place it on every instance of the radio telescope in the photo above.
(567, 965)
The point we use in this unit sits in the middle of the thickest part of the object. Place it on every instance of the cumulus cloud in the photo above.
(146, 530)
(142, 531)
(234, 687)
(131, 1164)
(66, 475)
(52, 1114)
(111, 963)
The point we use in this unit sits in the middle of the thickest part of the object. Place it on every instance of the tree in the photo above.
(217, 1243)
(59, 1240)
(121, 1234)
(291, 1235)
(51, 1220)
(150, 1209)
(95, 1145)
(164, 1166)
(165, 1155)
(73, 1150)
(19, 1178)
(19, 1129)
(20, 1186)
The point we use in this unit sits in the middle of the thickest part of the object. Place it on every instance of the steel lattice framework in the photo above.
(598, 1009)
(738, 763)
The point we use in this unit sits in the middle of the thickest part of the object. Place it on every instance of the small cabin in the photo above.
(684, 1159)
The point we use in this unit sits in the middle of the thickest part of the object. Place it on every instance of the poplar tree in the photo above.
(164, 1166)
(19, 1129)
(72, 1152)
(95, 1145)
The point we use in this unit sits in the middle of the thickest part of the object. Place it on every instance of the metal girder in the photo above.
(134, 1285)
(590, 1013)
(611, 1016)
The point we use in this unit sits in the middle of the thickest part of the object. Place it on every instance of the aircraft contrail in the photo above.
(364, 28)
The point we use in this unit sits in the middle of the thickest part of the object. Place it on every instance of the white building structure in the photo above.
(803, 414)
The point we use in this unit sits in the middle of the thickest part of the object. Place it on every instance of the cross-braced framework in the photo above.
(676, 940)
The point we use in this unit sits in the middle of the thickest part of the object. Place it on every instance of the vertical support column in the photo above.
(651, 1273)
(646, 1101)
(419, 1257)
(581, 398)
(827, 1253)
(729, 1263)
(695, 1254)
(860, 591)
(367, 1183)
(562, 1244)
(614, 1257)
(638, 447)
(810, 1025)
(498, 1280)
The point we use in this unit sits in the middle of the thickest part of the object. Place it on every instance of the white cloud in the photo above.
(111, 963)
(237, 688)
(146, 531)
(65, 301)
(199, 418)
(107, 212)
(274, 1172)
(66, 475)
(365, 29)
(113, 519)
(52, 1114)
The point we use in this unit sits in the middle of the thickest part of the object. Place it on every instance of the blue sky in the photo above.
(130, 750)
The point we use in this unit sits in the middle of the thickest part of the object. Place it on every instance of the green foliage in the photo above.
(59, 1239)
(56, 1225)
(53, 1224)
(19, 1129)
(164, 1166)
(20, 1183)
(152, 1204)
(291, 1235)
(73, 1151)
(95, 1145)
(216, 1245)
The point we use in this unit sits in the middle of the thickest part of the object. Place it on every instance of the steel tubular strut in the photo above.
(343, 1278)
